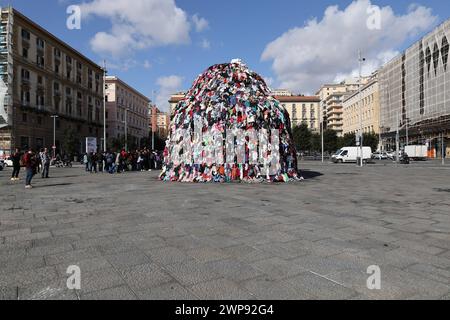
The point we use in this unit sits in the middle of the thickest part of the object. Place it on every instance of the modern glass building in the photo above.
(415, 92)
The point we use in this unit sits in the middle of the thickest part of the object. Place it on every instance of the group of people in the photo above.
(119, 162)
(33, 162)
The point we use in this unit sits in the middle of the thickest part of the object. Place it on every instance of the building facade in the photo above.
(174, 99)
(331, 103)
(126, 112)
(362, 108)
(159, 122)
(302, 109)
(41, 76)
(415, 92)
(281, 93)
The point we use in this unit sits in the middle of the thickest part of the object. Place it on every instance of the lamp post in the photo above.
(361, 139)
(126, 129)
(104, 105)
(153, 111)
(54, 135)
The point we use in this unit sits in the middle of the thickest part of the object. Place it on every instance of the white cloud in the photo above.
(137, 24)
(123, 65)
(306, 57)
(167, 86)
(205, 44)
(201, 24)
(147, 64)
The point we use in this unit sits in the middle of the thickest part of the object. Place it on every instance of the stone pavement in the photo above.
(137, 238)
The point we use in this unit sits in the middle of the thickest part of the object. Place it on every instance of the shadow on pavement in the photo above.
(55, 185)
(308, 174)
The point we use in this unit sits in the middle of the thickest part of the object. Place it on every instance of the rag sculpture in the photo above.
(229, 128)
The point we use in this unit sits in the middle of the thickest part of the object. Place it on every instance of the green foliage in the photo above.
(71, 142)
(305, 140)
(302, 137)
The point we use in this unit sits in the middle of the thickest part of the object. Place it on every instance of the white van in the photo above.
(351, 154)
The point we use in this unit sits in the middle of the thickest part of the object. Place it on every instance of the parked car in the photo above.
(380, 155)
(391, 155)
(352, 154)
(8, 162)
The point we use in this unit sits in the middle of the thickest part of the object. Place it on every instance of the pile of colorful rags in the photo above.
(230, 96)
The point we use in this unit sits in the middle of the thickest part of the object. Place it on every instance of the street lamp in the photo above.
(104, 105)
(361, 139)
(54, 135)
(153, 110)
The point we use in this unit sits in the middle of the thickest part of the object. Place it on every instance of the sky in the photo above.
(161, 46)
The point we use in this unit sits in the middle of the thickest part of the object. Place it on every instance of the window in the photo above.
(57, 53)
(40, 81)
(26, 34)
(56, 68)
(40, 61)
(24, 117)
(56, 87)
(25, 52)
(57, 123)
(25, 75)
(24, 142)
(68, 60)
(68, 91)
(40, 43)
(25, 96)
(69, 107)
(39, 143)
(40, 99)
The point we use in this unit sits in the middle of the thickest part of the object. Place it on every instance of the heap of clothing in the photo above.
(230, 96)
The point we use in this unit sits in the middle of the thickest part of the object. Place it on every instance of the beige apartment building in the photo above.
(127, 112)
(42, 77)
(174, 99)
(367, 105)
(302, 109)
(331, 103)
(281, 92)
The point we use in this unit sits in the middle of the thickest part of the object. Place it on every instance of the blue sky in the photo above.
(253, 30)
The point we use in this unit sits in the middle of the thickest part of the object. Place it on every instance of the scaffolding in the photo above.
(414, 89)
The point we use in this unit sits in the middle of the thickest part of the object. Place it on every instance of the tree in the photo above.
(316, 142)
(71, 142)
(330, 141)
(302, 137)
(371, 140)
(348, 140)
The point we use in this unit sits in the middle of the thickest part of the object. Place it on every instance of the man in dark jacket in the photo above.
(31, 163)
(15, 158)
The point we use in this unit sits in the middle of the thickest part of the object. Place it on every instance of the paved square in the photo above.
(137, 238)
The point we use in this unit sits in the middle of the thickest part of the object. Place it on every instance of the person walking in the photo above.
(86, 161)
(31, 164)
(15, 158)
(45, 161)
(93, 163)
(100, 158)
